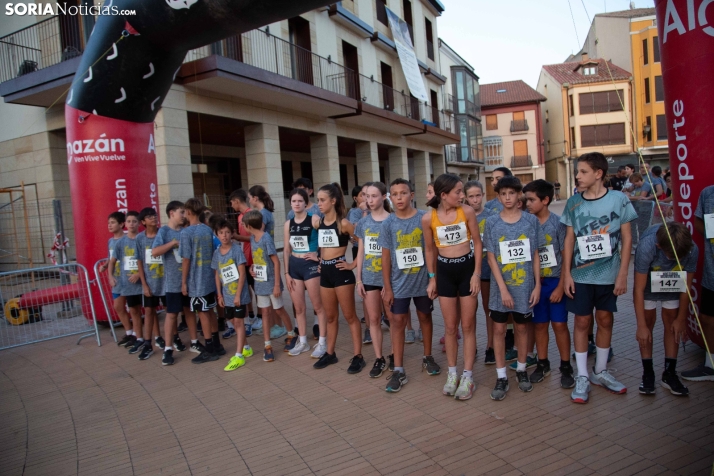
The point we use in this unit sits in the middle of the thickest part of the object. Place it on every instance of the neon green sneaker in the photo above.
(235, 363)
(247, 351)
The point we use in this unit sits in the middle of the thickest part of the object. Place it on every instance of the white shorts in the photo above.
(651, 305)
(270, 300)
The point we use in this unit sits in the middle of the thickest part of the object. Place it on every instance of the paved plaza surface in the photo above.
(81, 409)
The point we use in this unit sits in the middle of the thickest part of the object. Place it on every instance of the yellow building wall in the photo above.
(640, 30)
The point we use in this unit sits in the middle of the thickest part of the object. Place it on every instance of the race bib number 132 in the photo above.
(515, 251)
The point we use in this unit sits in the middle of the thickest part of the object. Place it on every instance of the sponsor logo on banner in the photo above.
(95, 150)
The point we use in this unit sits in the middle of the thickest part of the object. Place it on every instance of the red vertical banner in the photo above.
(112, 167)
(686, 38)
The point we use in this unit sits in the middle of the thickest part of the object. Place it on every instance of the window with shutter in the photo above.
(661, 127)
(659, 89)
(491, 122)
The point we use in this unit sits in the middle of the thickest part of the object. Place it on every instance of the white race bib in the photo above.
(371, 247)
(261, 272)
(515, 251)
(547, 257)
(669, 281)
(709, 225)
(327, 239)
(451, 235)
(149, 259)
(410, 258)
(229, 274)
(594, 246)
(177, 256)
(131, 263)
(299, 243)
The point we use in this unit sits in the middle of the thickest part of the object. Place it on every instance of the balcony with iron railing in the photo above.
(457, 155)
(520, 125)
(492, 163)
(521, 161)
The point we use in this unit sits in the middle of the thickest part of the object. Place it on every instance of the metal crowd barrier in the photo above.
(45, 303)
(101, 279)
(645, 211)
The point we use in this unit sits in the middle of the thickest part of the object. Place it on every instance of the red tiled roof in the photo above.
(512, 92)
(570, 73)
(634, 13)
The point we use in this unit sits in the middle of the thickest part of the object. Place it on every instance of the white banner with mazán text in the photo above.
(407, 56)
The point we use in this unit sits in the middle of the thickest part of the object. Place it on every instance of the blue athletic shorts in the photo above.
(116, 295)
(546, 311)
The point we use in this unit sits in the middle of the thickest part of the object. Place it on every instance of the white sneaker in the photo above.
(320, 350)
(452, 383)
(300, 348)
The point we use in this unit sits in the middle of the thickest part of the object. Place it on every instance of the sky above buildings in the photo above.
(506, 40)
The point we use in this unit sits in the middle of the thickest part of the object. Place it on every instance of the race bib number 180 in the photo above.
(371, 248)
(515, 251)
(594, 246)
(410, 258)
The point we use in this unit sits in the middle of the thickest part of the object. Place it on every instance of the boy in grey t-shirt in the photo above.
(512, 239)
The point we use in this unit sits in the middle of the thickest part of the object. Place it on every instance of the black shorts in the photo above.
(519, 318)
(235, 312)
(303, 269)
(153, 301)
(332, 277)
(706, 303)
(591, 296)
(369, 287)
(203, 303)
(135, 300)
(176, 302)
(422, 303)
(453, 275)
(355, 250)
(250, 279)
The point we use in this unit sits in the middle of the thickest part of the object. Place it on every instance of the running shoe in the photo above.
(235, 363)
(420, 336)
(268, 354)
(582, 390)
(126, 341)
(499, 391)
(160, 342)
(179, 346)
(490, 357)
(257, 324)
(290, 343)
(316, 331)
(230, 332)
(367, 337)
(248, 330)
(511, 355)
(276, 332)
(136, 347)
(182, 327)
(299, 348)
(541, 372)
(605, 379)
(220, 350)
(452, 383)
(325, 360)
(671, 382)
(396, 381)
(320, 350)
(204, 357)
(378, 368)
(530, 362)
(699, 374)
(385, 321)
(566, 376)
(168, 358)
(147, 351)
(197, 347)
(431, 367)
(466, 388)
(357, 363)
(247, 351)
(647, 386)
(410, 336)
(391, 362)
(524, 383)
(362, 320)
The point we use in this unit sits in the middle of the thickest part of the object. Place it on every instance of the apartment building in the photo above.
(588, 109)
(321, 95)
(513, 132)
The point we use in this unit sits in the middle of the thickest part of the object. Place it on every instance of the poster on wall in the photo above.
(407, 56)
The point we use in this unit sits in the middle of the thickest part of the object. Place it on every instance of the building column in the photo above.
(262, 156)
(325, 160)
(398, 163)
(173, 150)
(422, 174)
(438, 165)
(367, 162)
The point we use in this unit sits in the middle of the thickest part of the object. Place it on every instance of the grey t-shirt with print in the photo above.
(153, 273)
(705, 206)
(648, 258)
(197, 246)
(370, 228)
(117, 268)
(481, 220)
(314, 210)
(399, 234)
(262, 251)
(126, 247)
(518, 277)
(234, 256)
(494, 205)
(554, 232)
(268, 221)
(172, 259)
(354, 215)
